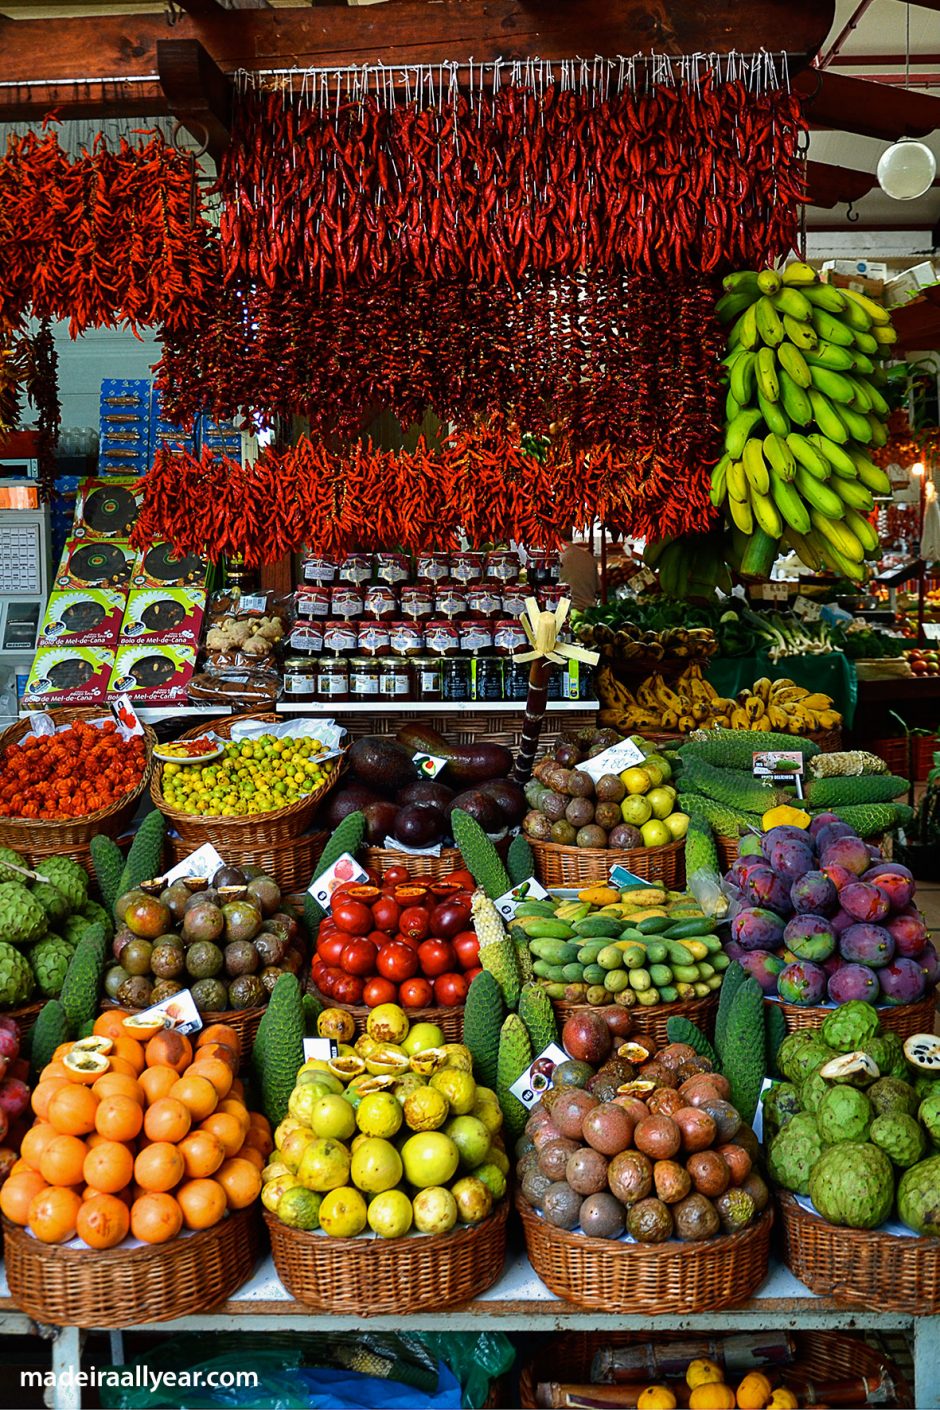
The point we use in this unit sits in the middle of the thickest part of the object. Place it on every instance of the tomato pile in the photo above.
(70, 774)
(398, 940)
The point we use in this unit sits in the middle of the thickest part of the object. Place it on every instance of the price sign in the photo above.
(810, 611)
(205, 861)
(780, 766)
(613, 760)
(529, 890)
(623, 880)
(178, 1011)
(322, 1048)
(345, 868)
(428, 765)
(932, 631)
(776, 592)
(641, 582)
(537, 1078)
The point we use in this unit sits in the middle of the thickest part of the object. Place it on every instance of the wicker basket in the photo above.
(258, 830)
(822, 1356)
(292, 863)
(427, 868)
(651, 1022)
(449, 1020)
(24, 1017)
(903, 1019)
(656, 1278)
(829, 740)
(557, 865)
(120, 1287)
(728, 848)
(43, 837)
(368, 1277)
(861, 1267)
(245, 1022)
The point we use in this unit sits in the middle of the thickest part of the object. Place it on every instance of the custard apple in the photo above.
(22, 920)
(928, 1114)
(853, 1184)
(73, 928)
(8, 859)
(844, 1114)
(794, 1152)
(69, 877)
(781, 1103)
(900, 1137)
(50, 959)
(52, 900)
(891, 1097)
(801, 1054)
(887, 1050)
(919, 1197)
(850, 1026)
(16, 977)
(97, 915)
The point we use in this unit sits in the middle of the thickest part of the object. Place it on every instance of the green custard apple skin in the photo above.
(53, 901)
(900, 1137)
(852, 1184)
(812, 1091)
(801, 1054)
(888, 1053)
(49, 959)
(8, 860)
(16, 978)
(928, 1114)
(890, 1096)
(794, 1153)
(850, 1027)
(96, 914)
(22, 919)
(68, 877)
(919, 1197)
(844, 1114)
(781, 1103)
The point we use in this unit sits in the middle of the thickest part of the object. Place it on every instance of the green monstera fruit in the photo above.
(781, 1103)
(888, 1053)
(851, 1026)
(793, 1153)
(16, 977)
(801, 1053)
(919, 1197)
(852, 1184)
(928, 1114)
(844, 1114)
(50, 960)
(890, 1096)
(900, 1137)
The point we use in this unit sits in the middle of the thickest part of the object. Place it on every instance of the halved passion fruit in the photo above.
(347, 1067)
(85, 1066)
(386, 1060)
(94, 1043)
(407, 894)
(638, 1089)
(367, 1083)
(144, 1026)
(634, 1052)
(425, 1064)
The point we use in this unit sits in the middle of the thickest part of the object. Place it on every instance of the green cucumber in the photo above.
(687, 929)
(653, 925)
(536, 908)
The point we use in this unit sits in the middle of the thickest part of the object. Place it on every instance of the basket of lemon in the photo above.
(261, 790)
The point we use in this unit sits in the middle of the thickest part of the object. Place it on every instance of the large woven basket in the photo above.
(369, 1277)
(728, 848)
(245, 1022)
(861, 1267)
(819, 1356)
(557, 865)
(449, 1020)
(614, 1276)
(228, 835)
(651, 1022)
(120, 1287)
(292, 863)
(430, 868)
(903, 1019)
(24, 1017)
(43, 837)
(829, 740)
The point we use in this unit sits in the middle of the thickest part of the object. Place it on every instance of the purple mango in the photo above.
(839, 876)
(765, 968)
(902, 981)
(831, 833)
(895, 881)
(909, 933)
(734, 951)
(792, 860)
(742, 868)
(930, 963)
(802, 983)
(814, 894)
(757, 929)
(875, 853)
(834, 962)
(849, 852)
(866, 944)
(822, 820)
(841, 921)
(853, 981)
(864, 901)
(765, 888)
(784, 833)
(810, 938)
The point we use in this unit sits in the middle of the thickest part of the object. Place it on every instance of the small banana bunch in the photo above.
(803, 403)
(690, 566)
(691, 703)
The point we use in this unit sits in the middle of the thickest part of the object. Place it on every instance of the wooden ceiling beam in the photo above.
(829, 186)
(197, 92)
(879, 110)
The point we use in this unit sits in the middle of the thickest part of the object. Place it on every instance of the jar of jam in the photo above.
(450, 601)
(550, 596)
(484, 601)
(508, 636)
(333, 678)
(406, 638)
(467, 566)
(314, 602)
(554, 686)
(502, 566)
(339, 636)
(514, 596)
(379, 601)
(393, 568)
(442, 637)
(427, 677)
(363, 678)
(455, 678)
(318, 569)
(585, 682)
(476, 634)
(417, 601)
(395, 679)
(487, 678)
(372, 639)
(542, 568)
(346, 601)
(433, 567)
(307, 638)
(300, 678)
(356, 568)
(516, 680)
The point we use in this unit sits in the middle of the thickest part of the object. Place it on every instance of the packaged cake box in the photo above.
(169, 614)
(152, 673)
(83, 617)
(107, 509)
(87, 564)
(161, 566)
(68, 675)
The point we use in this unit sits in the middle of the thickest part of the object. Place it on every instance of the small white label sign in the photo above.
(205, 861)
(613, 760)
(321, 1048)
(528, 890)
(344, 869)
(538, 1077)
(640, 582)
(429, 765)
(178, 1011)
(126, 717)
(810, 611)
(779, 764)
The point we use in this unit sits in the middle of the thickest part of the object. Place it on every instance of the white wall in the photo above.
(97, 354)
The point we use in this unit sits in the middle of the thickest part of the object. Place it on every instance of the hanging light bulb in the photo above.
(917, 468)
(906, 170)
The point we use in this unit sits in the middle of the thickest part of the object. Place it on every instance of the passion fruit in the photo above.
(672, 1181)
(535, 1186)
(570, 1109)
(710, 1175)
(658, 1137)
(586, 1171)
(698, 1129)
(727, 1121)
(607, 1128)
(738, 1162)
(696, 1218)
(602, 1216)
(561, 1205)
(665, 1101)
(650, 1221)
(553, 1157)
(630, 1177)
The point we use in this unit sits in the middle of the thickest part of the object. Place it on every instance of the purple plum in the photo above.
(814, 894)
(788, 956)
(902, 981)
(864, 901)
(849, 852)
(765, 968)
(765, 888)
(810, 938)
(839, 876)
(792, 860)
(831, 833)
(802, 983)
(756, 929)
(895, 881)
(909, 933)
(742, 868)
(784, 833)
(734, 951)
(875, 853)
(822, 820)
(930, 963)
(866, 944)
(853, 981)
(834, 962)
(841, 921)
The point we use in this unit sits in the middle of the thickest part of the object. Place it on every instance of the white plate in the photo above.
(160, 753)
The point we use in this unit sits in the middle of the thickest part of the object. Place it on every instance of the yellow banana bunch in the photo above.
(690, 702)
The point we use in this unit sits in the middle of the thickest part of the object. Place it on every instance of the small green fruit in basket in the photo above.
(435, 1210)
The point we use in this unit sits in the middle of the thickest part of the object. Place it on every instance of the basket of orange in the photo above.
(133, 1198)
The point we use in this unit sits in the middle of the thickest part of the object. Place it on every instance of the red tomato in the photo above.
(410, 940)
(379, 991)
(385, 914)
(352, 917)
(414, 921)
(394, 876)
(317, 971)
(436, 957)
(330, 950)
(467, 947)
(471, 974)
(348, 990)
(397, 961)
(462, 878)
(415, 994)
(359, 957)
(450, 989)
(449, 918)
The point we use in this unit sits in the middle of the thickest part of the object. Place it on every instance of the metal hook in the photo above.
(852, 214)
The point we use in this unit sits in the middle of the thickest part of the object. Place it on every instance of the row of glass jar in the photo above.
(420, 602)
(453, 679)
(438, 637)
(459, 566)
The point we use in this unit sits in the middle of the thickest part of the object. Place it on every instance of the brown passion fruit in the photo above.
(693, 1067)
(561, 1206)
(756, 1187)
(671, 1181)
(725, 1117)
(608, 1129)
(630, 1177)
(535, 1186)
(570, 1109)
(674, 1055)
(650, 1222)
(696, 1218)
(705, 1086)
(709, 1172)
(665, 1101)
(586, 1171)
(538, 1117)
(553, 1157)
(737, 1160)
(658, 1137)
(747, 1140)
(654, 1071)
(735, 1209)
(698, 1129)
(637, 1111)
(618, 1020)
(603, 1216)
(635, 1051)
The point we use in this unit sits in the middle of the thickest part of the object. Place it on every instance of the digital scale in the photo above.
(25, 570)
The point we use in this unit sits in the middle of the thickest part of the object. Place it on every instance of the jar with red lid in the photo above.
(380, 602)
(313, 602)
(484, 600)
(346, 601)
(442, 637)
(542, 568)
(355, 568)
(339, 637)
(395, 679)
(318, 569)
(476, 634)
(406, 638)
(392, 568)
(467, 566)
(372, 639)
(502, 565)
(514, 599)
(433, 567)
(306, 638)
(508, 636)
(417, 601)
(450, 600)
(550, 596)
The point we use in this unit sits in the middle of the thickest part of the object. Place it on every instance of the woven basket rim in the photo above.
(121, 1253)
(361, 1011)
(210, 1016)
(930, 998)
(793, 1212)
(619, 1248)
(615, 855)
(438, 1243)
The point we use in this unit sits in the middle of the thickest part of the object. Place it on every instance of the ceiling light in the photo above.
(906, 170)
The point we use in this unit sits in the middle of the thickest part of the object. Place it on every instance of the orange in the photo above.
(261, 1140)
(220, 1033)
(109, 1167)
(102, 1221)
(197, 1094)
(169, 1049)
(158, 1167)
(61, 1050)
(110, 1024)
(121, 1066)
(221, 1051)
(240, 1181)
(157, 1081)
(237, 1090)
(118, 1084)
(17, 1193)
(258, 1118)
(54, 1069)
(167, 1120)
(20, 1167)
(43, 1094)
(63, 1160)
(118, 1118)
(224, 1125)
(203, 1203)
(53, 1213)
(72, 1110)
(202, 1154)
(251, 1154)
(35, 1141)
(235, 1108)
(129, 1049)
(155, 1218)
(215, 1071)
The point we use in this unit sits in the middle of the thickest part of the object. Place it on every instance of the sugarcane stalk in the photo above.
(535, 705)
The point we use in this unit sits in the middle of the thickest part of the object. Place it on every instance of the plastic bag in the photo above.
(276, 1386)
(476, 1359)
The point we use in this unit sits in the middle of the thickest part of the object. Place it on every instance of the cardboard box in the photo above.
(866, 268)
(160, 566)
(861, 283)
(152, 673)
(93, 564)
(84, 617)
(68, 675)
(107, 509)
(169, 615)
(908, 285)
